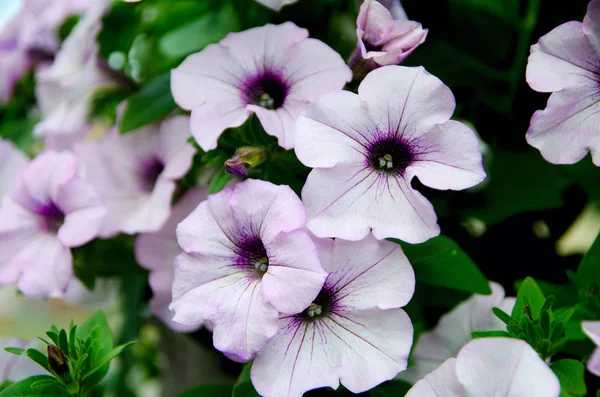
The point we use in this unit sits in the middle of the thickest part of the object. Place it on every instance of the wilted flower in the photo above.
(454, 329)
(365, 150)
(157, 252)
(566, 62)
(12, 161)
(354, 331)
(245, 260)
(383, 39)
(50, 210)
(136, 173)
(274, 71)
(592, 330)
(491, 367)
(276, 4)
(65, 90)
(30, 36)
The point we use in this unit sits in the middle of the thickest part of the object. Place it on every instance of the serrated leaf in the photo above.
(529, 295)
(570, 373)
(153, 102)
(490, 334)
(441, 262)
(36, 386)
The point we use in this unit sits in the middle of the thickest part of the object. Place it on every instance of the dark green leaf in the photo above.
(209, 391)
(490, 334)
(153, 102)
(589, 271)
(63, 343)
(390, 389)
(243, 387)
(36, 386)
(441, 262)
(529, 296)
(570, 373)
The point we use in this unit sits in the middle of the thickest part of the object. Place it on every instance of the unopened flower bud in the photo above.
(244, 158)
(57, 360)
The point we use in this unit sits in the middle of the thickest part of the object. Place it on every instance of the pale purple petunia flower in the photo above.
(274, 71)
(353, 333)
(454, 329)
(12, 161)
(592, 330)
(29, 36)
(395, 8)
(245, 261)
(365, 150)
(65, 90)
(157, 252)
(276, 4)
(496, 367)
(566, 62)
(50, 210)
(383, 39)
(136, 173)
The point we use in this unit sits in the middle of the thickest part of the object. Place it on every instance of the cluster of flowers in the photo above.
(255, 263)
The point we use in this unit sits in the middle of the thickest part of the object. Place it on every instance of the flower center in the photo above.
(150, 171)
(390, 155)
(54, 218)
(322, 306)
(370, 47)
(252, 255)
(267, 91)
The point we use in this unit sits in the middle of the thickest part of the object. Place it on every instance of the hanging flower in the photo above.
(566, 62)
(50, 210)
(157, 252)
(592, 330)
(246, 260)
(136, 173)
(491, 367)
(353, 332)
(454, 329)
(365, 150)
(274, 71)
(12, 161)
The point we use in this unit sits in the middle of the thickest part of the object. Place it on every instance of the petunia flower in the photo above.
(157, 252)
(12, 161)
(592, 330)
(276, 5)
(365, 150)
(499, 367)
(28, 36)
(136, 173)
(395, 8)
(566, 62)
(274, 71)
(65, 90)
(246, 260)
(354, 332)
(382, 38)
(454, 329)
(50, 210)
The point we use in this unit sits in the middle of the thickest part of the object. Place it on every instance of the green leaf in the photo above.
(209, 391)
(529, 295)
(506, 319)
(193, 37)
(243, 387)
(218, 182)
(441, 262)
(97, 330)
(392, 388)
(36, 386)
(589, 271)
(63, 343)
(40, 358)
(106, 359)
(16, 350)
(153, 102)
(570, 373)
(564, 294)
(490, 334)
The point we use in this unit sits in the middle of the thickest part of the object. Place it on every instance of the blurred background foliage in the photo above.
(529, 218)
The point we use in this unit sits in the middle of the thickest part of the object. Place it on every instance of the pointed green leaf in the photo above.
(506, 319)
(63, 342)
(36, 386)
(106, 359)
(531, 296)
(218, 181)
(16, 350)
(40, 358)
(588, 272)
(72, 340)
(570, 373)
(441, 262)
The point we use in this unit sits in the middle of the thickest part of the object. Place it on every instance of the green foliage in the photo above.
(570, 373)
(78, 360)
(441, 262)
(391, 389)
(243, 387)
(209, 391)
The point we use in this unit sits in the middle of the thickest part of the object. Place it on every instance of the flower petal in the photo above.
(348, 202)
(568, 128)
(451, 158)
(173, 146)
(440, 383)
(12, 161)
(591, 22)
